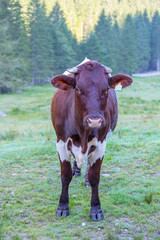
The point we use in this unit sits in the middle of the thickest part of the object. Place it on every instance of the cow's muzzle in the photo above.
(94, 122)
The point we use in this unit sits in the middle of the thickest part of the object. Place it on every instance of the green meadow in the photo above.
(30, 183)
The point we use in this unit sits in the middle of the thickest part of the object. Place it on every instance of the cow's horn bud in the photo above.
(108, 70)
(72, 70)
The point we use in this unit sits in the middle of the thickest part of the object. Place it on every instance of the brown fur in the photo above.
(89, 94)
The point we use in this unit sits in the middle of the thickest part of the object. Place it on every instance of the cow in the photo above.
(84, 114)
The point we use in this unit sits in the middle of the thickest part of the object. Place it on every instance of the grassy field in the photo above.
(30, 173)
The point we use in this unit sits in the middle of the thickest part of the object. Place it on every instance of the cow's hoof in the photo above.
(76, 172)
(62, 212)
(96, 215)
(87, 184)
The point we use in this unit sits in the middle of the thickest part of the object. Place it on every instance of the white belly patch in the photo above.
(80, 157)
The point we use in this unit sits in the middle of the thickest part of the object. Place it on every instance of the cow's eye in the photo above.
(78, 90)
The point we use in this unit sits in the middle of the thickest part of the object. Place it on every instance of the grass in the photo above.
(30, 173)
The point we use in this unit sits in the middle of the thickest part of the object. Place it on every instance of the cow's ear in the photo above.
(120, 81)
(63, 82)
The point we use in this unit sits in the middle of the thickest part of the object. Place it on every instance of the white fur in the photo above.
(63, 151)
(118, 86)
(77, 151)
(98, 153)
(81, 157)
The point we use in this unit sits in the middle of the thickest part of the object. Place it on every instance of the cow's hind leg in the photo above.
(76, 171)
(94, 176)
(66, 177)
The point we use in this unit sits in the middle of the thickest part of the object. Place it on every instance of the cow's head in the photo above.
(91, 82)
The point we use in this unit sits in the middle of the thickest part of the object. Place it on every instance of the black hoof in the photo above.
(62, 212)
(96, 215)
(77, 173)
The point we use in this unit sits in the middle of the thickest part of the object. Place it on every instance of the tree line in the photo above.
(36, 47)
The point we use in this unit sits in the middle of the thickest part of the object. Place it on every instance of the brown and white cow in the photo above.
(84, 113)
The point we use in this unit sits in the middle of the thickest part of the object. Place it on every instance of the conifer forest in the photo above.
(39, 39)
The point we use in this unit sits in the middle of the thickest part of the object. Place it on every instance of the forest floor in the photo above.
(30, 183)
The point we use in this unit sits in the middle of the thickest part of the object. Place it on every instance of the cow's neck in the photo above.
(83, 132)
(84, 141)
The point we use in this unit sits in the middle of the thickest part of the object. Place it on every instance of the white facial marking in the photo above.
(118, 86)
(63, 151)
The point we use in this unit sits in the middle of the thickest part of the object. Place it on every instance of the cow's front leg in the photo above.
(66, 177)
(94, 176)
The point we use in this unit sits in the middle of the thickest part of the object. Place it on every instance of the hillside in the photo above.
(81, 15)
(38, 41)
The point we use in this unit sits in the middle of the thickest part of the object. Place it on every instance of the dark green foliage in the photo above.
(62, 40)
(34, 50)
(143, 42)
(116, 56)
(13, 47)
(42, 54)
(128, 48)
(103, 43)
(92, 48)
(155, 42)
(99, 45)
(104, 32)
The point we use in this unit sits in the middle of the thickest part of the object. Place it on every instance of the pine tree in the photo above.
(155, 42)
(42, 54)
(18, 34)
(63, 41)
(128, 49)
(103, 30)
(143, 42)
(116, 55)
(12, 62)
(92, 48)
(4, 42)
(99, 46)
